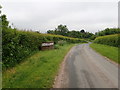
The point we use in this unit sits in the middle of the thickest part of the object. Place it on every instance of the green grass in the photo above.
(108, 51)
(37, 71)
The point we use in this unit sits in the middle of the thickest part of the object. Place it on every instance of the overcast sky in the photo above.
(43, 15)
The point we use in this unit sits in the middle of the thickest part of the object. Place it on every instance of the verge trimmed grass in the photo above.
(37, 71)
(108, 51)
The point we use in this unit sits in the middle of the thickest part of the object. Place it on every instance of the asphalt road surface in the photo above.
(84, 68)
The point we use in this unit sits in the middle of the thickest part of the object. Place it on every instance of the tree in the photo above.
(51, 31)
(82, 31)
(108, 31)
(5, 23)
(62, 30)
(0, 9)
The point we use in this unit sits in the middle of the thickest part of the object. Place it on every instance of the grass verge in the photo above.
(37, 71)
(108, 51)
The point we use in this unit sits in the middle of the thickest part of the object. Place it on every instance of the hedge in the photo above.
(17, 44)
(112, 40)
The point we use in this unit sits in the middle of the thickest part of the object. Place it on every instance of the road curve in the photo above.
(84, 68)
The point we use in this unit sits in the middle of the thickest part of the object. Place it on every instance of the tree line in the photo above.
(108, 31)
(63, 30)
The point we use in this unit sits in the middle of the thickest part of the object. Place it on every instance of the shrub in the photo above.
(56, 46)
(61, 43)
(111, 40)
(17, 45)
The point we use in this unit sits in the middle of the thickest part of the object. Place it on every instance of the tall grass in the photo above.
(37, 71)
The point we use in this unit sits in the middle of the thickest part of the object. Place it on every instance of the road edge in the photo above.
(108, 59)
(59, 77)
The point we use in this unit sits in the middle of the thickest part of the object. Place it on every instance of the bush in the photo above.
(17, 45)
(111, 40)
(61, 43)
(56, 46)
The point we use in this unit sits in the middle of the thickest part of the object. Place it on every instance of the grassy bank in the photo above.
(37, 71)
(108, 51)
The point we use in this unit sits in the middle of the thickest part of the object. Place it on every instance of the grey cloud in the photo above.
(92, 16)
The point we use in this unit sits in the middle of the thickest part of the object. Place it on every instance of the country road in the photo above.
(84, 68)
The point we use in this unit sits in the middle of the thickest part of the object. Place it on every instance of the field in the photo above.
(108, 51)
(37, 71)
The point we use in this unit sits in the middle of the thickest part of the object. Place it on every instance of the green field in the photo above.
(37, 71)
(108, 51)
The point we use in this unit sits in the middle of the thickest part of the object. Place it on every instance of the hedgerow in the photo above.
(17, 44)
(112, 40)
